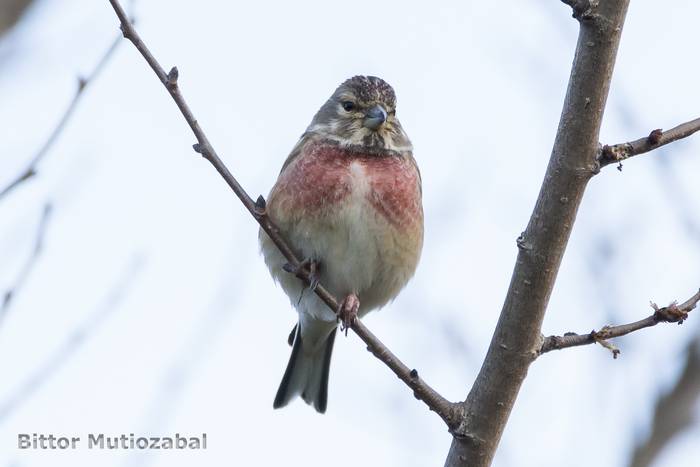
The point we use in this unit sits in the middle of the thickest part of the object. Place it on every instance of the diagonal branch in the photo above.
(422, 391)
(673, 411)
(673, 313)
(74, 341)
(83, 82)
(30, 263)
(657, 138)
(10, 12)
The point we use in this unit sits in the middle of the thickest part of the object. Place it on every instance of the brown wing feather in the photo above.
(296, 150)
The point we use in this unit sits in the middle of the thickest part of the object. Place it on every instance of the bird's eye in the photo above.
(348, 105)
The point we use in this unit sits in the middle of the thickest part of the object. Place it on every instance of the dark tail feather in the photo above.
(290, 339)
(321, 400)
(306, 375)
(284, 391)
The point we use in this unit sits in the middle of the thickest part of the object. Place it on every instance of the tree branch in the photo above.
(657, 138)
(73, 342)
(10, 12)
(517, 338)
(83, 82)
(673, 313)
(674, 410)
(582, 9)
(422, 391)
(29, 265)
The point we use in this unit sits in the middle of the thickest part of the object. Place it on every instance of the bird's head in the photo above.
(361, 113)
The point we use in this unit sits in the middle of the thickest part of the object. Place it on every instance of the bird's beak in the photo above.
(375, 117)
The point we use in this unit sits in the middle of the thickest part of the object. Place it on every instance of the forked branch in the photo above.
(83, 82)
(478, 422)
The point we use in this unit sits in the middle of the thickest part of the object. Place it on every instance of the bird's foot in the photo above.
(307, 269)
(347, 312)
(313, 267)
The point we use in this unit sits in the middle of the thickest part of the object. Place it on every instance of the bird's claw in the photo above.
(313, 267)
(347, 312)
(306, 270)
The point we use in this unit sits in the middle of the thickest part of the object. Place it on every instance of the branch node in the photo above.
(654, 137)
(414, 373)
(610, 154)
(669, 314)
(171, 80)
(522, 243)
(29, 173)
(582, 9)
(201, 149)
(260, 206)
(615, 153)
(462, 433)
(82, 82)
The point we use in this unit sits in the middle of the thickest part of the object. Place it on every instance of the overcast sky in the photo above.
(151, 312)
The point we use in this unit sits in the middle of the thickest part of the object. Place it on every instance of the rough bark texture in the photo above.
(517, 337)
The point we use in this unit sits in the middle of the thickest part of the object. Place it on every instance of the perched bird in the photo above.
(348, 199)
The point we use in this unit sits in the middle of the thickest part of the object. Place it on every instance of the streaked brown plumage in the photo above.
(349, 198)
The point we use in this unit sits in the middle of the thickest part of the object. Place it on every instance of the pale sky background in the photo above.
(151, 312)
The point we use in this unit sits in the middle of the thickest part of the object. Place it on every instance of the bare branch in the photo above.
(581, 8)
(72, 342)
(673, 412)
(83, 82)
(10, 12)
(30, 263)
(517, 338)
(673, 313)
(657, 138)
(422, 391)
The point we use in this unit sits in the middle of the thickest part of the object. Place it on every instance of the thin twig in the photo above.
(73, 342)
(673, 313)
(612, 154)
(29, 264)
(83, 82)
(422, 391)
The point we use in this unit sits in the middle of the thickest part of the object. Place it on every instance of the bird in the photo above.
(348, 199)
